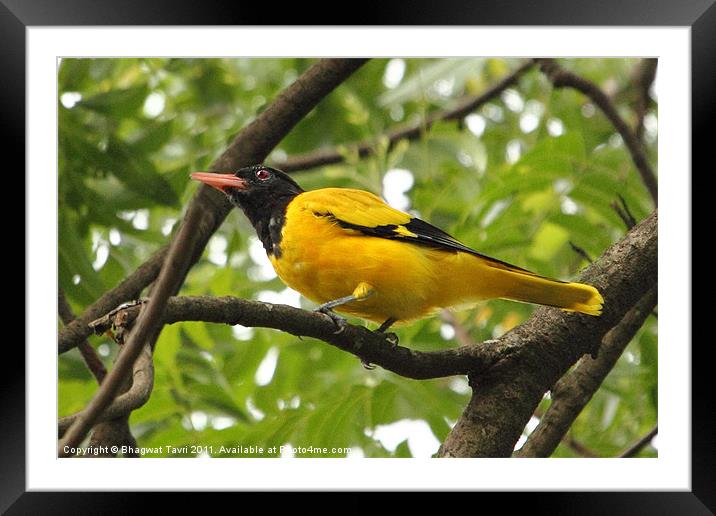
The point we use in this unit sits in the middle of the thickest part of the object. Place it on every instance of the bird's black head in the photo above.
(262, 193)
(256, 185)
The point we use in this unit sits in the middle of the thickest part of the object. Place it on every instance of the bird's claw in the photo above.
(367, 365)
(339, 321)
(391, 338)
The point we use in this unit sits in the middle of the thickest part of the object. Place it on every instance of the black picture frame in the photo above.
(700, 15)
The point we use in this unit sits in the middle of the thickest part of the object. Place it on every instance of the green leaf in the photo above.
(548, 240)
(153, 137)
(403, 450)
(139, 174)
(74, 263)
(118, 102)
(413, 87)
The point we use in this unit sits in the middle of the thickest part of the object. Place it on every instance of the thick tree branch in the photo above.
(465, 106)
(369, 346)
(547, 345)
(112, 433)
(572, 393)
(561, 78)
(204, 215)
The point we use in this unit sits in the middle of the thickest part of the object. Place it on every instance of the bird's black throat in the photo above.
(267, 213)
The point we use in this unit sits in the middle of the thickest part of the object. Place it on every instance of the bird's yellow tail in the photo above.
(510, 282)
(574, 297)
(527, 287)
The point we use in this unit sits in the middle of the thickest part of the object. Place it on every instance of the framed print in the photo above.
(346, 257)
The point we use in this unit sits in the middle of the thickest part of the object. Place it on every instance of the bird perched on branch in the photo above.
(349, 251)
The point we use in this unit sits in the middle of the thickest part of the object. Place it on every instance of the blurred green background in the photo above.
(519, 179)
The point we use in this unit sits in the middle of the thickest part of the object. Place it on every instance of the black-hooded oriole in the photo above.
(348, 250)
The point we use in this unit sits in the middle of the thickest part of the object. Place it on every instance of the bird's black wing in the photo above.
(419, 232)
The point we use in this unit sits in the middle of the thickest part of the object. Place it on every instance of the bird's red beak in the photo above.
(220, 181)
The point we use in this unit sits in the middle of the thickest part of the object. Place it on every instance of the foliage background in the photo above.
(519, 180)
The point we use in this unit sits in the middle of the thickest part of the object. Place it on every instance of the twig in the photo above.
(93, 362)
(205, 213)
(641, 443)
(561, 78)
(624, 212)
(581, 252)
(578, 447)
(572, 393)
(466, 105)
(462, 336)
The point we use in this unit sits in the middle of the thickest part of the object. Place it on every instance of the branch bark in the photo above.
(204, 215)
(562, 78)
(370, 347)
(505, 397)
(572, 393)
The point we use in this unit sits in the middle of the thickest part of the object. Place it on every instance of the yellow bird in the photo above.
(348, 250)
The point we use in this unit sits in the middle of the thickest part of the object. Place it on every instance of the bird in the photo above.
(350, 252)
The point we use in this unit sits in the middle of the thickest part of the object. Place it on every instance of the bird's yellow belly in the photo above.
(336, 261)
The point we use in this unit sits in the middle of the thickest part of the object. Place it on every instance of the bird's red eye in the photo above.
(263, 174)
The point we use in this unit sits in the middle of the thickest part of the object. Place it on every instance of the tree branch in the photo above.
(579, 448)
(561, 78)
(643, 77)
(544, 347)
(137, 395)
(369, 346)
(572, 393)
(640, 444)
(204, 215)
(624, 213)
(466, 105)
(93, 362)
